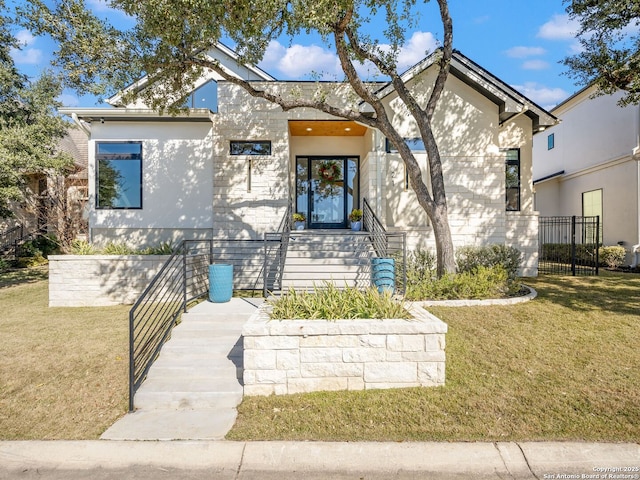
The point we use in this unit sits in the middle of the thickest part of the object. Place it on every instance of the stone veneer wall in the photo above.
(100, 280)
(293, 356)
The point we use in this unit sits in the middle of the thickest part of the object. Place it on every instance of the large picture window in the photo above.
(119, 175)
(512, 181)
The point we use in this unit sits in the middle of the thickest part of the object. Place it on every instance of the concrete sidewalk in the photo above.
(311, 460)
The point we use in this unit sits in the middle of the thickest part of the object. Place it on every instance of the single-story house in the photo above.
(589, 165)
(232, 166)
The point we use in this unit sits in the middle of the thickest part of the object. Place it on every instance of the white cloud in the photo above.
(559, 28)
(299, 61)
(25, 38)
(482, 19)
(30, 56)
(523, 52)
(419, 46)
(535, 65)
(544, 96)
(99, 5)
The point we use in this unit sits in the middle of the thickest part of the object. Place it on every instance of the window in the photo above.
(119, 175)
(415, 145)
(551, 141)
(250, 148)
(592, 207)
(205, 96)
(512, 182)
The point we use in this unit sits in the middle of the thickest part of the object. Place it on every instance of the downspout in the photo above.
(635, 249)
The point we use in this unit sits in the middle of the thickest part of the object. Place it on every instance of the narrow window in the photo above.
(119, 175)
(243, 147)
(415, 145)
(512, 169)
(551, 141)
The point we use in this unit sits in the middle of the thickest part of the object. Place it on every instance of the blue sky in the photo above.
(521, 42)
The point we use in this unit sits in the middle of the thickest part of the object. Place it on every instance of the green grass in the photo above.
(565, 366)
(63, 371)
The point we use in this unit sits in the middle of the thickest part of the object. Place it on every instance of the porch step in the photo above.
(340, 258)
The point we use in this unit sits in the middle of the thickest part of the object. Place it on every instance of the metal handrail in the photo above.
(373, 225)
(275, 246)
(182, 279)
(12, 238)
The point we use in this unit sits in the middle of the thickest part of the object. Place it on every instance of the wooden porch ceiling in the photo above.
(325, 128)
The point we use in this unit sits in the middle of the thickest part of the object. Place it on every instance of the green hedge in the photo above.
(561, 253)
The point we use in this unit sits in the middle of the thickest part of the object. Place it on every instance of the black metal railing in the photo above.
(182, 279)
(9, 237)
(373, 225)
(275, 253)
(569, 245)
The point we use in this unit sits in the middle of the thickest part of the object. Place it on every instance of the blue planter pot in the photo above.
(383, 274)
(220, 282)
(356, 226)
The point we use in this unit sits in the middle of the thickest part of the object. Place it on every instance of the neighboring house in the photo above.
(589, 165)
(230, 168)
(55, 204)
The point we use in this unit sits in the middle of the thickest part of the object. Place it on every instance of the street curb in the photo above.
(525, 460)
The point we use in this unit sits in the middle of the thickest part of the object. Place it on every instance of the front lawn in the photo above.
(565, 366)
(63, 371)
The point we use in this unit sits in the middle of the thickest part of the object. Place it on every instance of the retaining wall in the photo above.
(293, 356)
(100, 280)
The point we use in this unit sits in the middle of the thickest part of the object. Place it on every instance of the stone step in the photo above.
(187, 424)
(211, 371)
(176, 400)
(202, 347)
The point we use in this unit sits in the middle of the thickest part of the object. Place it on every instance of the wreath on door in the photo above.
(330, 171)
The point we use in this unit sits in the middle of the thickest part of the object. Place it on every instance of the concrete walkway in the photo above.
(71, 460)
(193, 388)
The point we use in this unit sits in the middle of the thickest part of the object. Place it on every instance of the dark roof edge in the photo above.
(549, 177)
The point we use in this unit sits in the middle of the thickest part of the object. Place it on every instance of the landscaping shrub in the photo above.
(113, 248)
(331, 303)
(483, 272)
(165, 248)
(612, 257)
(82, 247)
(561, 252)
(480, 283)
(4, 265)
(470, 258)
(421, 266)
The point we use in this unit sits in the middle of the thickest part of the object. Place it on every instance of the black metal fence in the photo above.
(568, 245)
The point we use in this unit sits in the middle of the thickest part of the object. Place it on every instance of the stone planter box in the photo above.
(293, 356)
(100, 280)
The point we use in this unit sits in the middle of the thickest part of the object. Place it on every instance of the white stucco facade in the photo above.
(594, 149)
(193, 186)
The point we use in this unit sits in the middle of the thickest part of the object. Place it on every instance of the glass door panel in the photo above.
(327, 199)
(327, 188)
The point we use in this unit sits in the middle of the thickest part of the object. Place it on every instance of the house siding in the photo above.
(596, 148)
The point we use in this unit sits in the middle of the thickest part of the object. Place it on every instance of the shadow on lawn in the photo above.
(614, 292)
(20, 276)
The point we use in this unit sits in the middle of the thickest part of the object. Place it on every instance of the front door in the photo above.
(326, 190)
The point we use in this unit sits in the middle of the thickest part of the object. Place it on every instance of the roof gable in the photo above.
(228, 60)
(509, 100)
